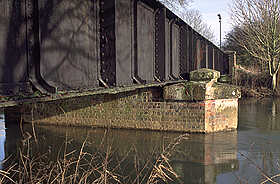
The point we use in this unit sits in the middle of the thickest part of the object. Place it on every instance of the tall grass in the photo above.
(81, 166)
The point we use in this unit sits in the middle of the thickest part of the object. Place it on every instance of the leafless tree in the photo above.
(258, 22)
(191, 16)
(194, 19)
(177, 5)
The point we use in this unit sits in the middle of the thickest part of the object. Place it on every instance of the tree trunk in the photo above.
(274, 81)
(278, 80)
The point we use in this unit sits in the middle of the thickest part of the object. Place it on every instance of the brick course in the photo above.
(140, 109)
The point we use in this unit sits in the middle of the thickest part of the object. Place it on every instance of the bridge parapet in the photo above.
(78, 45)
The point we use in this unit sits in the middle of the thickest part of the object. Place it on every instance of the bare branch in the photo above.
(258, 23)
(190, 16)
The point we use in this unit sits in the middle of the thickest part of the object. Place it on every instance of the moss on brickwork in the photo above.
(140, 109)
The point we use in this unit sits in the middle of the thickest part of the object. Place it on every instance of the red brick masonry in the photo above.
(140, 109)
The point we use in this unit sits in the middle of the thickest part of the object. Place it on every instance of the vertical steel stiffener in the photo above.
(85, 44)
(107, 43)
(183, 67)
(160, 44)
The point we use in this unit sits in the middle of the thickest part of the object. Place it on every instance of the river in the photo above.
(242, 156)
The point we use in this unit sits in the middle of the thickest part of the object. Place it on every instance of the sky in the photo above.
(210, 10)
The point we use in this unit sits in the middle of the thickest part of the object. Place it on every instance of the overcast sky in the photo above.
(210, 9)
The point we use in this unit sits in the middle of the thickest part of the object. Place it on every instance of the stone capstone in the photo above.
(199, 91)
(204, 74)
(203, 86)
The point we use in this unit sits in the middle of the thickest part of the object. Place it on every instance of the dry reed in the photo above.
(80, 166)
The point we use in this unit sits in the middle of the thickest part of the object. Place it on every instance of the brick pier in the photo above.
(151, 108)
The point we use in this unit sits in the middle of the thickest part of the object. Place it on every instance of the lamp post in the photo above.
(220, 20)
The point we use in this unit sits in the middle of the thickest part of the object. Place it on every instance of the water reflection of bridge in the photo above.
(2, 138)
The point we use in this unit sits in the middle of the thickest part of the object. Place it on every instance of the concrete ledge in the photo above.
(10, 101)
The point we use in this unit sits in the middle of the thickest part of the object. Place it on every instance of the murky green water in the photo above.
(232, 157)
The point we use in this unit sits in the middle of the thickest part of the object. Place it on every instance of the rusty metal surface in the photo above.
(210, 56)
(203, 54)
(188, 48)
(13, 60)
(183, 68)
(196, 51)
(221, 62)
(68, 58)
(175, 51)
(226, 64)
(160, 44)
(216, 59)
(124, 41)
(172, 39)
(107, 42)
(167, 49)
(85, 44)
(145, 42)
(206, 54)
(33, 48)
(191, 49)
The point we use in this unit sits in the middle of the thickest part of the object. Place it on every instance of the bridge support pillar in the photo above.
(168, 108)
(218, 101)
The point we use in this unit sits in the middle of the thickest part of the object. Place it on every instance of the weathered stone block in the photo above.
(223, 91)
(204, 74)
(175, 92)
(199, 91)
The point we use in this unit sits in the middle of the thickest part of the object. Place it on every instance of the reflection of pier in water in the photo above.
(197, 159)
(204, 157)
(2, 137)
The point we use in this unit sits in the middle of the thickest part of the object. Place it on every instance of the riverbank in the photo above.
(259, 92)
(253, 82)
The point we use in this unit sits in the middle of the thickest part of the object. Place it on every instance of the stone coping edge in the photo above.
(76, 93)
